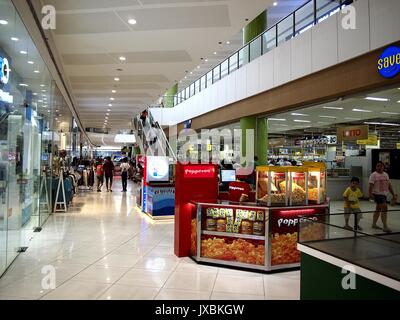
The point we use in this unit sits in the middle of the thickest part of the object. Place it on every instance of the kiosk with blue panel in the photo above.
(159, 191)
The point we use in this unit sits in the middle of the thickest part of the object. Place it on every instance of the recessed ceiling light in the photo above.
(116, 79)
(43, 90)
(106, 118)
(376, 99)
(276, 119)
(185, 77)
(30, 62)
(305, 121)
(275, 3)
(42, 85)
(3, 22)
(132, 21)
(23, 52)
(362, 110)
(206, 60)
(333, 108)
(198, 67)
(23, 85)
(48, 111)
(228, 42)
(14, 39)
(215, 52)
(300, 114)
(35, 94)
(112, 99)
(36, 71)
(122, 58)
(110, 105)
(107, 114)
(108, 110)
(114, 91)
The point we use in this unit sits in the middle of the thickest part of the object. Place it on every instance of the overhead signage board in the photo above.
(352, 133)
(389, 62)
(371, 141)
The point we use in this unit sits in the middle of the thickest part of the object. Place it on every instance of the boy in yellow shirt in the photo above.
(352, 197)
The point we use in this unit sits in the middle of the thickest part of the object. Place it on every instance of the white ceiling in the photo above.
(170, 37)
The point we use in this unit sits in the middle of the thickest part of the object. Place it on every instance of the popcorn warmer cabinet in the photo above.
(291, 186)
(250, 236)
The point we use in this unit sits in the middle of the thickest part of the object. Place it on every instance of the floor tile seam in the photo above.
(169, 276)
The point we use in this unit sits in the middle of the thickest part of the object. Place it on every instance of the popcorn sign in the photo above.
(293, 222)
(198, 172)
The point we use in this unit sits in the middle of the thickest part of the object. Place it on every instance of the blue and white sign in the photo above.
(389, 62)
(4, 70)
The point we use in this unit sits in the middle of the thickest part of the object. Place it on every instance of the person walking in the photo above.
(124, 174)
(99, 175)
(379, 187)
(109, 173)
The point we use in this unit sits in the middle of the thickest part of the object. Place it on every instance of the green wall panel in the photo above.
(321, 280)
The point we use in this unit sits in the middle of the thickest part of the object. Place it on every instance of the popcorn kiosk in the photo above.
(263, 235)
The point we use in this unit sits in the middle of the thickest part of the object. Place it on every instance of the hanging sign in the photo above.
(352, 133)
(371, 141)
(389, 62)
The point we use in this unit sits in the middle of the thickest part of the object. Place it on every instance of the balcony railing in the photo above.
(302, 19)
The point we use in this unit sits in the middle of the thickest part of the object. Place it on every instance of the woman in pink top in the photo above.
(379, 187)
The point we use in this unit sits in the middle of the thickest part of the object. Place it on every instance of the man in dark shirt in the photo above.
(109, 173)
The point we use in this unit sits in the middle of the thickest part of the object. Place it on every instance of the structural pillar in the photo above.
(169, 96)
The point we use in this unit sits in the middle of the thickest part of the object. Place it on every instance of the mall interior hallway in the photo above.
(105, 248)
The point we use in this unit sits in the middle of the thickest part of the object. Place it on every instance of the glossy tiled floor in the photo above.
(104, 248)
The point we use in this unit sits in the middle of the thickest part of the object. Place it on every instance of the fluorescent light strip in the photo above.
(329, 117)
(383, 124)
(333, 108)
(276, 119)
(303, 121)
(362, 110)
(377, 99)
(355, 119)
(391, 113)
(300, 114)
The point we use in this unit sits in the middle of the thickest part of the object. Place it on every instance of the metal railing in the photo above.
(299, 21)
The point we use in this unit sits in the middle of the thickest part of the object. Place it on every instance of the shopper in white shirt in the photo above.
(379, 188)
(124, 174)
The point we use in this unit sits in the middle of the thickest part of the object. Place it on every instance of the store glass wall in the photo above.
(26, 134)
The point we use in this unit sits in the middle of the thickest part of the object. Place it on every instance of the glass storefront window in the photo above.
(32, 115)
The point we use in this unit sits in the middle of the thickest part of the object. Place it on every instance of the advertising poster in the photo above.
(284, 233)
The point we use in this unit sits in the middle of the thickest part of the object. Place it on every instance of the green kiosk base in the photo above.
(326, 277)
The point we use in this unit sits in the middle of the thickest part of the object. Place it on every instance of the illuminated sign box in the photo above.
(389, 62)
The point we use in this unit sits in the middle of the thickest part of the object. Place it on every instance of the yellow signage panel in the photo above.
(398, 145)
(371, 141)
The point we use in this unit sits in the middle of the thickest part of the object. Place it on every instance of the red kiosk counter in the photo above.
(244, 235)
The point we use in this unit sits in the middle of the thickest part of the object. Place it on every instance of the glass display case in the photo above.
(298, 178)
(317, 174)
(249, 236)
(272, 186)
